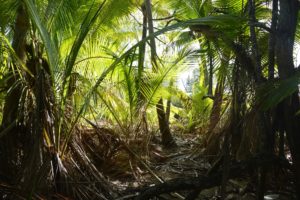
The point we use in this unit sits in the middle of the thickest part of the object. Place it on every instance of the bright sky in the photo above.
(189, 72)
(297, 55)
(183, 77)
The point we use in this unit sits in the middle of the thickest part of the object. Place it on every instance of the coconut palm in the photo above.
(33, 114)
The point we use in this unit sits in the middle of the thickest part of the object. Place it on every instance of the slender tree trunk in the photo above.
(287, 23)
(271, 66)
(263, 121)
(151, 31)
(168, 109)
(204, 71)
(213, 145)
(211, 68)
(218, 97)
(237, 107)
(166, 136)
(272, 40)
(254, 46)
(140, 112)
(142, 51)
(216, 108)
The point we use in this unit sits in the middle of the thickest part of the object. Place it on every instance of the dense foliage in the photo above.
(81, 80)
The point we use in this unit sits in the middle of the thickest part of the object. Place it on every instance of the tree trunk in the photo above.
(166, 136)
(140, 112)
(168, 109)
(211, 67)
(263, 122)
(218, 97)
(238, 106)
(272, 40)
(141, 59)
(287, 22)
(151, 31)
(10, 155)
(254, 47)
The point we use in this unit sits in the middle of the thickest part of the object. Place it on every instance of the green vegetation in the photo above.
(91, 106)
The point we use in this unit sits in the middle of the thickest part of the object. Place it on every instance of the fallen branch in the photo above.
(206, 181)
(179, 184)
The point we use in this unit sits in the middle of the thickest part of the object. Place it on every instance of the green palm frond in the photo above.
(230, 6)
(60, 14)
(85, 28)
(8, 11)
(86, 25)
(155, 85)
(211, 20)
(15, 59)
(51, 50)
(115, 107)
(271, 94)
(113, 12)
(190, 9)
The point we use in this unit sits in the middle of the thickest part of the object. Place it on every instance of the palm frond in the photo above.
(273, 93)
(51, 50)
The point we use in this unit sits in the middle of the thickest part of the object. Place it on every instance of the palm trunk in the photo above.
(166, 136)
(237, 107)
(216, 108)
(272, 40)
(10, 154)
(211, 67)
(254, 46)
(263, 121)
(271, 66)
(140, 112)
(141, 59)
(287, 23)
(203, 70)
(168, 109)
(151, 31)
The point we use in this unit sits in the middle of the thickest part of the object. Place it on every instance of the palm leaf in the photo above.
(273, 93)
(51, 50)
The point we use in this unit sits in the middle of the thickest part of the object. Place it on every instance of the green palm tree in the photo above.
(33, 111)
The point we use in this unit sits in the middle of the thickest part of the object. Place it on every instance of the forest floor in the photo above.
(139, 168)
(144, 164)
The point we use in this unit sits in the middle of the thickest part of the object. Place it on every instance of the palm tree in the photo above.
(33, 112)
(166, 137)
